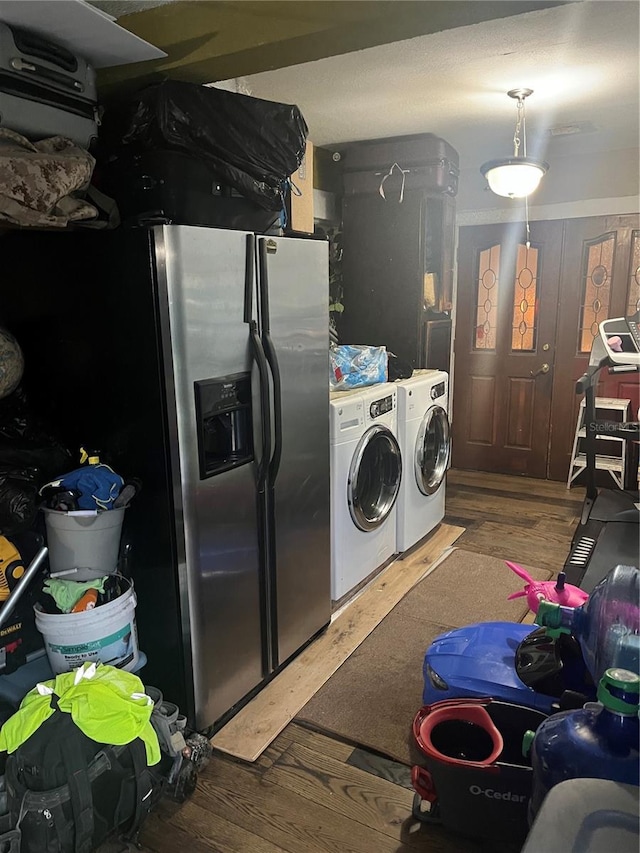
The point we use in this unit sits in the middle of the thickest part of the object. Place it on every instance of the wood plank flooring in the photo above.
(308, 793)
(516, 518)
(259, 722)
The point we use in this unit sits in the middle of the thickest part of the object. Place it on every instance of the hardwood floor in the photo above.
(517, 518)
(309, 793)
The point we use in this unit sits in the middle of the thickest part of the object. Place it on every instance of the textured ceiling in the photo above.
(126, 7)
(581, 60)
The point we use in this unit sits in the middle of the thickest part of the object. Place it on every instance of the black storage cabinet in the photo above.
(398, 243)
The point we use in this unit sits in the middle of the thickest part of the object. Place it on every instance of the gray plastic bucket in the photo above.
(90, 544)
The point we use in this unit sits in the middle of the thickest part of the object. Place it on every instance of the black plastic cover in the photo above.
(254, 145)
(18, 499)
(27, 442)
(29, 457)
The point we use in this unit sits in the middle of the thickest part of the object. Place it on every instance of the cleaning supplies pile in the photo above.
(471, 673)
(75, 596)
(84, 512)
(78, 596)
(87, 610)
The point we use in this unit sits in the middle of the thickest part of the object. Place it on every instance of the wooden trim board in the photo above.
(253, 728)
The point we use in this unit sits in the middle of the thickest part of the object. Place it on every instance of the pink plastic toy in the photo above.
(557, 591)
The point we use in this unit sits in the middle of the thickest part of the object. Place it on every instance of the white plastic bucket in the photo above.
(88, 543)
(107, 633)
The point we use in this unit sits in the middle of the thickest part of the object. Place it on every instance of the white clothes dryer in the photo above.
(366, 472)
(424, 437)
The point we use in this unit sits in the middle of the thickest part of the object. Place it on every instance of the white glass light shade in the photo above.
(514, 177)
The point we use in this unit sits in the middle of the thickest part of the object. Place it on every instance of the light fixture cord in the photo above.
(520, 125)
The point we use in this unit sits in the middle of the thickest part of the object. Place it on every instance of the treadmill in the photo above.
(608, 533)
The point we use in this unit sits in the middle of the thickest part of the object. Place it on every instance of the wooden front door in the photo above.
(600, 278)
(506, 312)
(519, 310)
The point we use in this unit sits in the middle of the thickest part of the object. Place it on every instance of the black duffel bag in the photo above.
(162, 186)
(251, 144)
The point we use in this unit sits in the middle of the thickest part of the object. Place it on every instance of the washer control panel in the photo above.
(381, 406)
(438, 390)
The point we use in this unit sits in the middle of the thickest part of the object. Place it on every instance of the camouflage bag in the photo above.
(39, 180)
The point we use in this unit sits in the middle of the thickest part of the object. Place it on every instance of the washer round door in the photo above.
(374, 478)
(433, 446)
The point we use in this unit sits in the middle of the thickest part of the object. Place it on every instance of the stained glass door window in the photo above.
(595, 287)
(633, 292)
(524, 322)
(487, 298)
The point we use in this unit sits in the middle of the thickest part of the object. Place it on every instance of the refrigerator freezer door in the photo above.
(201, 273)
(299, 325)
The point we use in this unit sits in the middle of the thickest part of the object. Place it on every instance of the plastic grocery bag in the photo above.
(357, 366)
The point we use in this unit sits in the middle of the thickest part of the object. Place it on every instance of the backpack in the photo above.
(66, 793)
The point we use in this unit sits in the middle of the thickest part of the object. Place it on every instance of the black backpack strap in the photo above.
(64, 826)
(80, 795)
(144, 788)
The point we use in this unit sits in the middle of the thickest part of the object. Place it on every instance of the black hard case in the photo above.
(429, 163)
(163, 186)
(45, 89)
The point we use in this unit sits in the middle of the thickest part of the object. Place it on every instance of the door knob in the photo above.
(543, 369)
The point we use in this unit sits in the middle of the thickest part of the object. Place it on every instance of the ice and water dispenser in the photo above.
(224, 423)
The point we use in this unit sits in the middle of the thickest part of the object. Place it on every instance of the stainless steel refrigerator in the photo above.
(197, 359)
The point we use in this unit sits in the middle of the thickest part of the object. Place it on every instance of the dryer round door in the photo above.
(433, 446)
(374, 478)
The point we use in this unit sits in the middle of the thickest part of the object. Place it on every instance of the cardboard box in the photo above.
(300, 207)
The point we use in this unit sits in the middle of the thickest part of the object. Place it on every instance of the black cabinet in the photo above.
(436, 350)
(398, 248)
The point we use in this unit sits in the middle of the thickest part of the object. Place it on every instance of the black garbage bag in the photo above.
(398, 368)
(252, 144)
(27, 444)
(18, 499)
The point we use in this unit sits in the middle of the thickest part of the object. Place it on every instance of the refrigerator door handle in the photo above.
(272, 653)
(258, 355)
(249, 277)
(265, 404)
(265, 246)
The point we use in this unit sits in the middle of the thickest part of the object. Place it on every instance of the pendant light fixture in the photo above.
(517, 176)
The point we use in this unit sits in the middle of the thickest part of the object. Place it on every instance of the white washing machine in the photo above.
(423, 433)
(366, 472)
